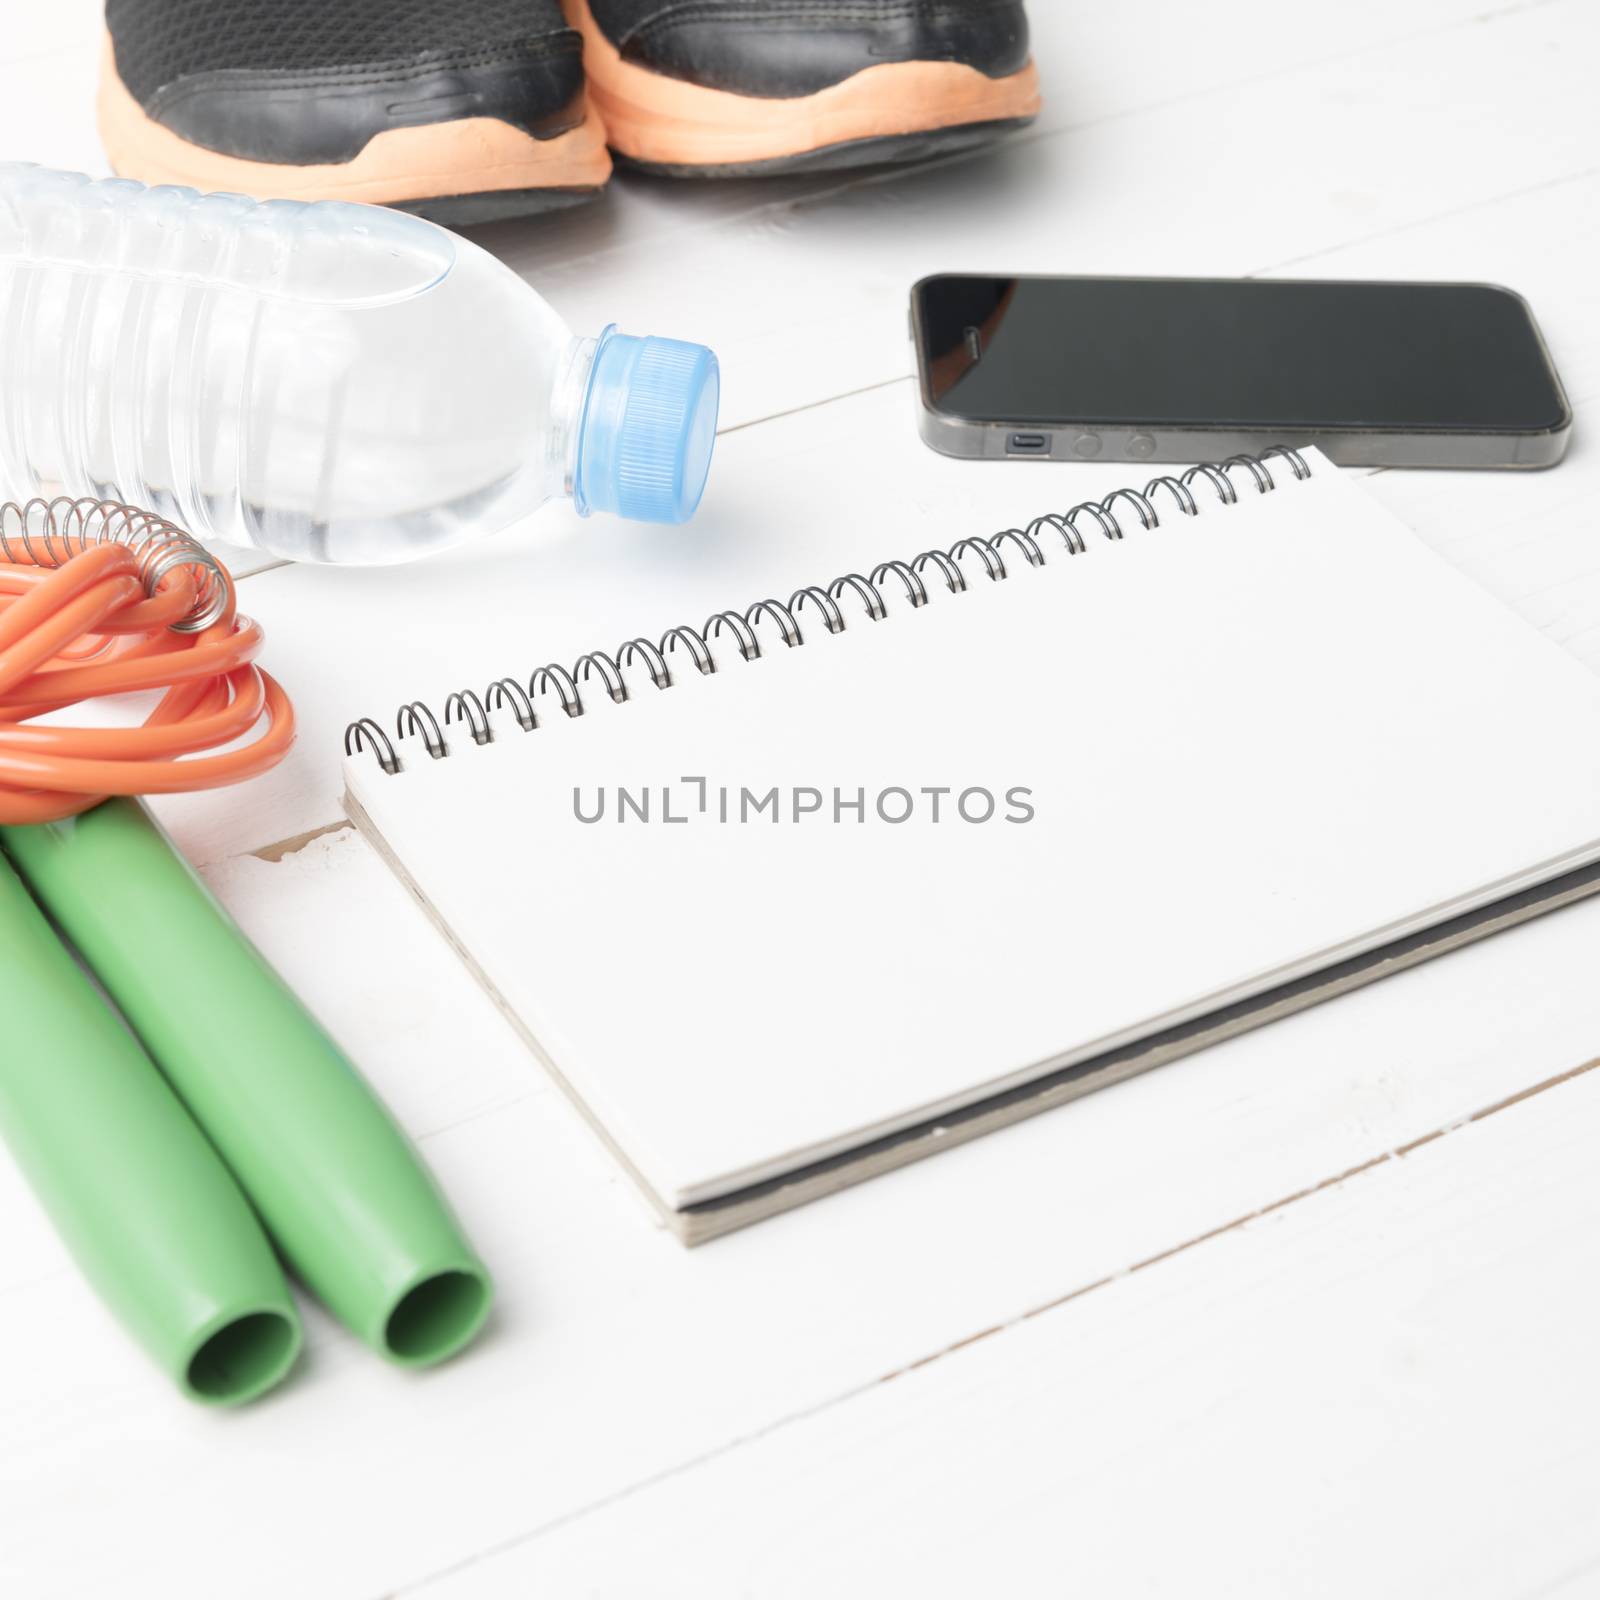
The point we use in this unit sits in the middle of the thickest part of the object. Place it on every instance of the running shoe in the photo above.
(462, 110)
(726, 88)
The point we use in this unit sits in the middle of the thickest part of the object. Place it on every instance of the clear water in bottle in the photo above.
(329, 382)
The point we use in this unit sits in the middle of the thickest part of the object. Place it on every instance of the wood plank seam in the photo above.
(770, 210)
(1384, 1158)
(284, 848)
(1487, 202)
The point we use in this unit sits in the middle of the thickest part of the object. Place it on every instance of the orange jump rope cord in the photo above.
(85, 628)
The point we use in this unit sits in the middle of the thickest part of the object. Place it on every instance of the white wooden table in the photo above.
(1313, 1313)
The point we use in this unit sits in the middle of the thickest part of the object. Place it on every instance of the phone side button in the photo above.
(1086, 445)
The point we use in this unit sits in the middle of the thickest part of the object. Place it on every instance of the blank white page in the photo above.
(1256, 741)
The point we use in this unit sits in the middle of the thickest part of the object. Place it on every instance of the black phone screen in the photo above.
(1252, 353)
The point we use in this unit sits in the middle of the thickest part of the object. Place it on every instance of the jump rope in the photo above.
(97, 599)
(185, 1146)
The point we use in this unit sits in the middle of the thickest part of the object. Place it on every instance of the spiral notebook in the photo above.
(833, 882)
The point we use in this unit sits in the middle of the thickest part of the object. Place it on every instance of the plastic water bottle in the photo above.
(329, 382)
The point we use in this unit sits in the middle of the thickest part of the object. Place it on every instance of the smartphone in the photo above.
(1197, 369)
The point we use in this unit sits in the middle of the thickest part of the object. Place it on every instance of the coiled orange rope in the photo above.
(76, 624)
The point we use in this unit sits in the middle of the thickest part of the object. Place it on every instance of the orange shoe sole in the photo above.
(471, 170)
(897, 110)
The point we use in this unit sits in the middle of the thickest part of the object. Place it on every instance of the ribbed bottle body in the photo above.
(326, 382)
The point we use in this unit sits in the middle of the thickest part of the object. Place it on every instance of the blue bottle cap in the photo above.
(649, 425)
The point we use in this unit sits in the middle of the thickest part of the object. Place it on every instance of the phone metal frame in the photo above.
(1095, 439)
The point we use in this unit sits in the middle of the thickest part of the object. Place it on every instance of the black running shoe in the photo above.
(724, 88)
(464, 110)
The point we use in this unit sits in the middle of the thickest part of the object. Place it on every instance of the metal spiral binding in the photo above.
(909, 581)
(48, 533)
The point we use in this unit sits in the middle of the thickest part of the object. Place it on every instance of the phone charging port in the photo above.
(1028, 444)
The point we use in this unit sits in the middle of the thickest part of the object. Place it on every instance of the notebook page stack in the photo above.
(788, 923)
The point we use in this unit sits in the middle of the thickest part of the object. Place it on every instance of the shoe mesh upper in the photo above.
(160, 41)
(622, 18)
(780, 48)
